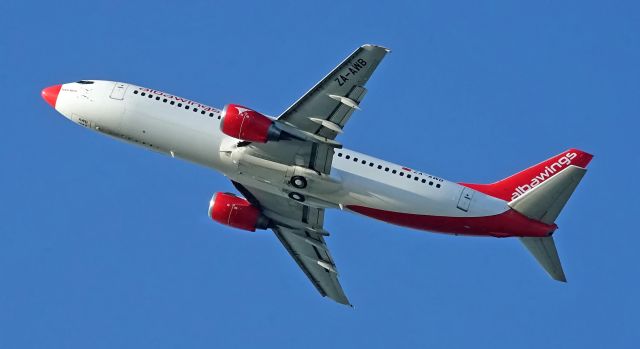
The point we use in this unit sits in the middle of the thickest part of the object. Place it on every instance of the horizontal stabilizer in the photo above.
(545, 201)
(544, 249)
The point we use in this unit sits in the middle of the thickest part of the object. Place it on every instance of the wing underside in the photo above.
(300, 230)
(312, 256)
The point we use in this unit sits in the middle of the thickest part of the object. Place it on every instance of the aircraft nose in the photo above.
(50, 94)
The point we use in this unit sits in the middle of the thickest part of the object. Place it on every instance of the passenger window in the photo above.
(179, 104)
(401, 174)
(394, 171)
(172, 102)
(164, 100)
(430, 183)
(437, 185)
(339, 155)
(157, 98)
(142, 94)
(135, 92)
(348, 157)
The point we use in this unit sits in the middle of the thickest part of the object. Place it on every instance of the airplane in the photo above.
(290, 169)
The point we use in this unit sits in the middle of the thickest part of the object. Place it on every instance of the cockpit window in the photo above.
(85, 82)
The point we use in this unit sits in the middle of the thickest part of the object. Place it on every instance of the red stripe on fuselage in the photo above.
(508, 223)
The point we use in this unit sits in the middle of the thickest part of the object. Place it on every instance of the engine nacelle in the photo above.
(247, 124)
(236, 212)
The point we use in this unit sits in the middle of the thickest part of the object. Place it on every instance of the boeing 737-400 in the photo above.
(289, 169)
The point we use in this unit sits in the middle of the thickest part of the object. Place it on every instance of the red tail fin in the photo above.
(512, 187)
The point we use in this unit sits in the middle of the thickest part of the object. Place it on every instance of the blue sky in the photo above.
(104, 245)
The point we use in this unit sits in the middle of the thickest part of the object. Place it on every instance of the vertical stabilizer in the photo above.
(544, 249)
(540, 193)
(518, 184)
(544, 202)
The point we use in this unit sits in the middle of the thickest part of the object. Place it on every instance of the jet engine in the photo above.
(236, 212)
(247, 124)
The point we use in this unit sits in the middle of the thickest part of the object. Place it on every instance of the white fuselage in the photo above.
(189, 130)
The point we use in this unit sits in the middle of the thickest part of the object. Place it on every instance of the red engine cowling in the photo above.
(236, 212)
(247, 124)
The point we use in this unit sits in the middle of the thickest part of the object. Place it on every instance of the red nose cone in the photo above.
(50, 94)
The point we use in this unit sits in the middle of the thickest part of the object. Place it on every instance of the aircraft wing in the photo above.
(326, 108)
(318, 116)
(299, 229)
(314, 120)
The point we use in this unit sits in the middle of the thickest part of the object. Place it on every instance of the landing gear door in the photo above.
(465, 199)
(118, 91)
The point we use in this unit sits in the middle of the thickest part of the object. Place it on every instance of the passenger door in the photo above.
(465, 199)
(118, 91)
